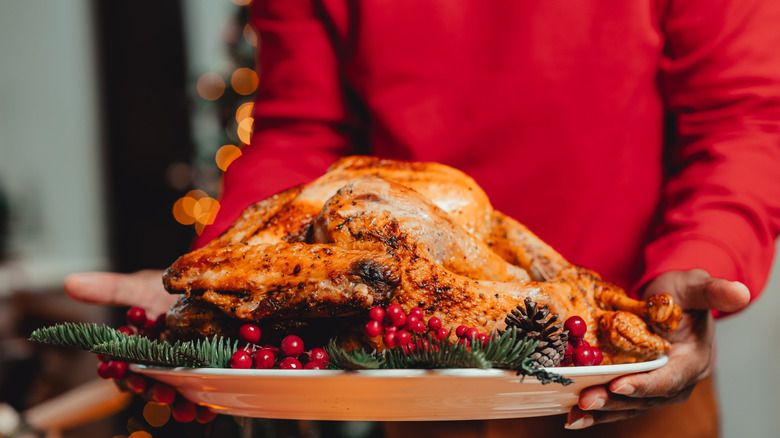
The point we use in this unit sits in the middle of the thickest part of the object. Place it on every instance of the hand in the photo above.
(142, 288)
(690, 359)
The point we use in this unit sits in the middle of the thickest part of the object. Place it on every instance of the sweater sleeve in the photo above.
(721, 80)
(300, 115)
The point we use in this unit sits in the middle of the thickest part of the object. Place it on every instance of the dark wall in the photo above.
(144, 96)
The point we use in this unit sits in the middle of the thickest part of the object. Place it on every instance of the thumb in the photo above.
(715, 294)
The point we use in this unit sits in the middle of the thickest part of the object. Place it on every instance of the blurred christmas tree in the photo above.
(222, 121)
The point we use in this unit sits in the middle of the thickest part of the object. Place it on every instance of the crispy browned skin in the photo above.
(371, 232)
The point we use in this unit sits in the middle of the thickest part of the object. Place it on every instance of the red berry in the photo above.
(402, 337)
(461, 331)
(135, 383)
(578, 342)
(398, 319)
(376, 314)
(471, 333)
(318, 354)
(117, 369)
(434, 323)
(241, 359)
(204, 414)
(264, 359)
(103, 370)
(249, 333)
(291, 346)
(373, 328)
(584, 356)
(484, 338)
(393, 309)
(416, 311)
(599, 357)
(315, 365)
(136, 316)
(442, 334)
(419, 327)
(391, 329)
(290, 363)
(576, 326)
(162, 393)
(569, 350)
(389, 338)
(183, 410)
(125, 330)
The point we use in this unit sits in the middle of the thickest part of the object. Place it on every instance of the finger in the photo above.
(579, 419)
(686, 367)
(717, 294)
(108, 288)
(599, 399)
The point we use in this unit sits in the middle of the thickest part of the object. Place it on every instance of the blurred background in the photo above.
(116, 121)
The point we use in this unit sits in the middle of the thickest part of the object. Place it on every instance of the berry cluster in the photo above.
(579, 352)
(290, 354)
(182, 410)
(137, 325)
(396, 326)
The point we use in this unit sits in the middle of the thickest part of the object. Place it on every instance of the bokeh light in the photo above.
(211, 86)
(244, 81)
(156, 414)
(244, 130)
(183, 210)
(226, 155)
(196, 207)
(242, 2)
(250, 36)
(244, 111)
(140, 434)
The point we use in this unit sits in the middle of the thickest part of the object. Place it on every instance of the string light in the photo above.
(196, 207)
(244, 81)
(250, 36)
(226, 155)
(244, 130)
(210, 86)
(157, 414)
(244, 111)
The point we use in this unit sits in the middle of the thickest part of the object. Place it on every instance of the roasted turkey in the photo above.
(371, 232)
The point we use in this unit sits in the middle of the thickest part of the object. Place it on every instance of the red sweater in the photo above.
(555, 107)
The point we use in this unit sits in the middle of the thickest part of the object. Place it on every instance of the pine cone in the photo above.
(537, 323)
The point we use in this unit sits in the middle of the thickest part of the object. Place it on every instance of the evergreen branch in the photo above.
(436, 354)
(142, 350)
(77, 335)
(357, 359)
(530, 367)
(214, 353)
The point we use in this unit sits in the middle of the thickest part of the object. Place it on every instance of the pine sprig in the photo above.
(146, 351)
(430, 352)
(357, 359)
(104, 340)
(214, 353)
(77, 335)
(507, 350)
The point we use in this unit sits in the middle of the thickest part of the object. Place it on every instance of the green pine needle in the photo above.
(76, 335)
(357, 359)
(505, 350)
(104, 340)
